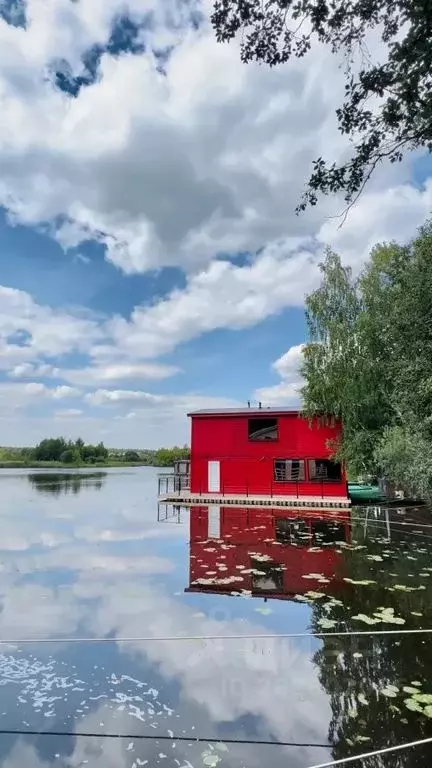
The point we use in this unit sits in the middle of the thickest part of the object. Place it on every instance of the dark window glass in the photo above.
(288, 470)
(268, 577)
(324, 469)
(262, 429)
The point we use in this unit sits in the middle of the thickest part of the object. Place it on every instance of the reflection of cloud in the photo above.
(117, 589)
(229, 678)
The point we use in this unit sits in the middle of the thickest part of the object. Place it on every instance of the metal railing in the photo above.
(174, 484)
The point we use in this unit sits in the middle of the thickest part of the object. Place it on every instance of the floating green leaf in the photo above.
(416, 613)
(366, 619)
(375, 558)
(409, 689)
(362, 699)
(413, 705)
(428, 711)
(326, 623)
(221, 746)
(416, 683)
(391, 691)
(423, 698)
(363, 582)
(210, 759)
(315, 595)
(264, 611)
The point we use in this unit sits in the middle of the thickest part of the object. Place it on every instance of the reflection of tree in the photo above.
(57, 483)
(355, 671)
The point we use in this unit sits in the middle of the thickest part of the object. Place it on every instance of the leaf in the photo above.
(363, 700)
(413, 705)
(264, 611)
(428, 711)
(416, 683)
(315, 595)
(375, 558)
(357, 655)
(364, 582)
(211, 760)
(366, 619)
(326, 623)
(390, 691)
(221, 746)
(416, 613)
(409, 689)
(423, 698)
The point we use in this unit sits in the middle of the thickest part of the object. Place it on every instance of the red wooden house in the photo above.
(264, 452)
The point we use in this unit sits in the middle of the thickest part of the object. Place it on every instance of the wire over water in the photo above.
(168, 638)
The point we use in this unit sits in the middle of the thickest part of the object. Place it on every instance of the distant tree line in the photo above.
(69, 452)
(77, 452)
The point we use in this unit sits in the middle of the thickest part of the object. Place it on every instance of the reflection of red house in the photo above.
(264, 452)
(266, 551)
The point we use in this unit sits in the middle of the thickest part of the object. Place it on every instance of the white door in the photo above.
(214, 522)
(214, 476)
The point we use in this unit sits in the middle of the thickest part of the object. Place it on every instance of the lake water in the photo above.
(93, 557)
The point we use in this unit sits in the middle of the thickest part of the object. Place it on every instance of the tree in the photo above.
(369, 361)
(386, 110)
(131, 456)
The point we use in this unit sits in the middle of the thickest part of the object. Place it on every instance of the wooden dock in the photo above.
(186, 498)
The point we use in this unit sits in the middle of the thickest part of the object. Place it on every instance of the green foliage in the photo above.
(369, 361)
(131, 456)
(386, 108)
(68, 452)
(165, 457)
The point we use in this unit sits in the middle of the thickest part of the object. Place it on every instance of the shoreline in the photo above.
(63, 465)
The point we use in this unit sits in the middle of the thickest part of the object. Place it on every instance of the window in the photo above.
(324, 469)
(267, 577)
(262, 429)
(288, 470)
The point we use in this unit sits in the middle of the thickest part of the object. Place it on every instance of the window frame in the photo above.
(324, 479)
(292, 480)
(263, 419)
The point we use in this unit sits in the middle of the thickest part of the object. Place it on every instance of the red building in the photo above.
(264, 452)
(273, 553)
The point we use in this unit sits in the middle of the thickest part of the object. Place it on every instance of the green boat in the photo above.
(363, 492)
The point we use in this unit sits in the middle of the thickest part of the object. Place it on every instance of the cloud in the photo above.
(97, 374)
(276, 279)
(286, 391)
(68, 413)
(205, 157)
(48, 332)
(19, 395)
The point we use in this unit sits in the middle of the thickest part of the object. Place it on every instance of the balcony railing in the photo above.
(172, 484)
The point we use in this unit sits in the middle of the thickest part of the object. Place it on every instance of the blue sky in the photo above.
(150, 258)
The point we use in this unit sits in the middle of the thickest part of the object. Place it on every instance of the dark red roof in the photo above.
(246, 412)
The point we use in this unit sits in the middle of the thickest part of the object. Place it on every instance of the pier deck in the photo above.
(184, 497)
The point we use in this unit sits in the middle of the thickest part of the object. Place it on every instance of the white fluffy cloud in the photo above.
(286, 392)
(205, 159)
(210, 156)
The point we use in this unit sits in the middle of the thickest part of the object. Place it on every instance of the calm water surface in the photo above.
(93, 557)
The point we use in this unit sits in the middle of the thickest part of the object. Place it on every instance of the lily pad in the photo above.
(413, 705)
(264, 611)
(428, 711)
(211, 760)
(326, 623)
(362, 582)
(423, 698)
(390, 691)
(409, 689)
(362, 699)
(366, 619)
